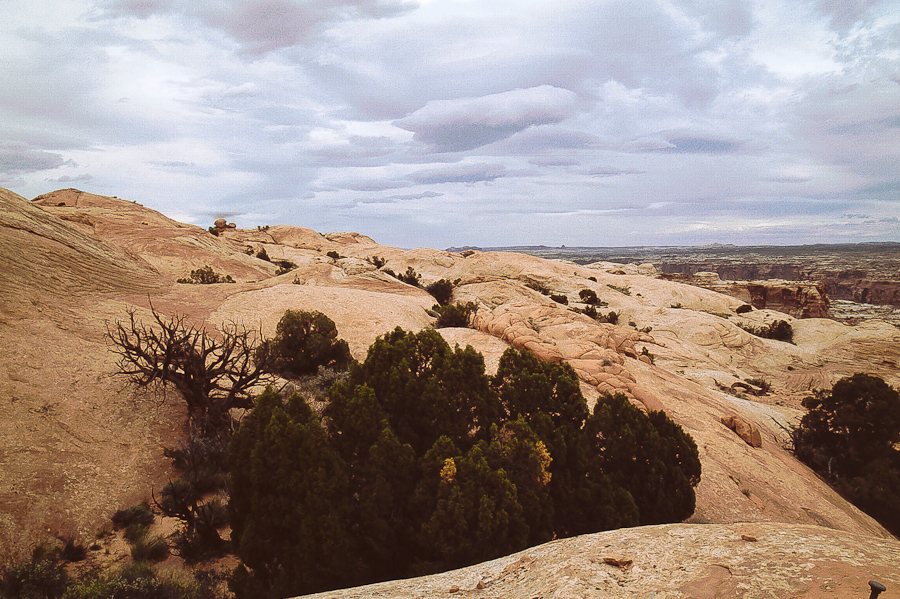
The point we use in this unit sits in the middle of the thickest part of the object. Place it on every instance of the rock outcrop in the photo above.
(749, 560)
(801, 299)
(78, 444)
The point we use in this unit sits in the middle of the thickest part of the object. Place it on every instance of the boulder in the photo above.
(745, 430)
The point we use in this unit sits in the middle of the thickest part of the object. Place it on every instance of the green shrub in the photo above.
(590, 311)
(136, 581)
(850, 437)
(154, 550)
(779, 330)
(135, 531)
(411, 277)
(588, 296)
(303, 342)
(559, 299)
(139, 514)
(42, 577)
(206, 276)
(427, 463)
(442, 290)
(284, 266)
(622, 290)
(611, 318)
(376, 261)
(456, 315)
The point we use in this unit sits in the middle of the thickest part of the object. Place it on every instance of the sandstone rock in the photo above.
(63, 447)
(746, 431)
(675, 560)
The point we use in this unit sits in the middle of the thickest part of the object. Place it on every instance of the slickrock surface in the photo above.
(800, 299)
(76, 443)
(749, 560)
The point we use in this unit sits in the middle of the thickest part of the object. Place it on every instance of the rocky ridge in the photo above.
(78, 444)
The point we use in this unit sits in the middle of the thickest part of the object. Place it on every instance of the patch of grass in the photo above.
(136, 514)
(153, 550)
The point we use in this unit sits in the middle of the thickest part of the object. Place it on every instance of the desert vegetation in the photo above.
(850, 436)
(423, 462)
(455, 315)
(214, 374)
(205, 276)
(779, 330)
(304, 341)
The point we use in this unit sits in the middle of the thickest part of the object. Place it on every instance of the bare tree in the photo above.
(213, 374)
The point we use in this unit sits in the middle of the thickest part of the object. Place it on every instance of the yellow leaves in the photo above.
(448, 472)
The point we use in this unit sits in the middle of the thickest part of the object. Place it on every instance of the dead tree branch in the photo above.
(213, 374)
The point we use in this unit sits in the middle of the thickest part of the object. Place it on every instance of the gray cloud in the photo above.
(83, 178)
(701, 145)
(17, 159)
(459, 173)
(264, 25)
(326, 113)
(469, 123)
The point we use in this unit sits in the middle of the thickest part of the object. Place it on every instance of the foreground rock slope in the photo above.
(78, 444)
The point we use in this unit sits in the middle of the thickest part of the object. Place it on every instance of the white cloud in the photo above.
(447, 122)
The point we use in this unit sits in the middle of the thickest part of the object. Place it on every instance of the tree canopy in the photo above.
(426, 463)
(849, 436)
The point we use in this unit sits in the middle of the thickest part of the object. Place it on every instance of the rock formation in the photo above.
(798, 298)
(78, 444)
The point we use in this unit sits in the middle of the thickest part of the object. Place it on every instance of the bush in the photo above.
(206, 276)
(43, 577)
(779, 330)
(135, 531)
(588, 296)
(213, 374)
(284, 266)
(442, 290)
(427, 463)
(622, 290)
(850, 436)
(456, 315)
(333, 255)
(303, 342)
(139, 514)
(611, 318)
(559, 299)
(154, 550)
(376, 261)
(539, 287)
(411, 277)
(136, 581)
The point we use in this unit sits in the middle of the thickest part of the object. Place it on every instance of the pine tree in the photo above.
(290, 502)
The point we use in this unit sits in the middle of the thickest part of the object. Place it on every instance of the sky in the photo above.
(438, 123)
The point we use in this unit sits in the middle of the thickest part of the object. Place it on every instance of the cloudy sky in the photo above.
(467, 122)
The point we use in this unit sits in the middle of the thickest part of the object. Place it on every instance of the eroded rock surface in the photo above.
(749, 560)
(76, 435)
